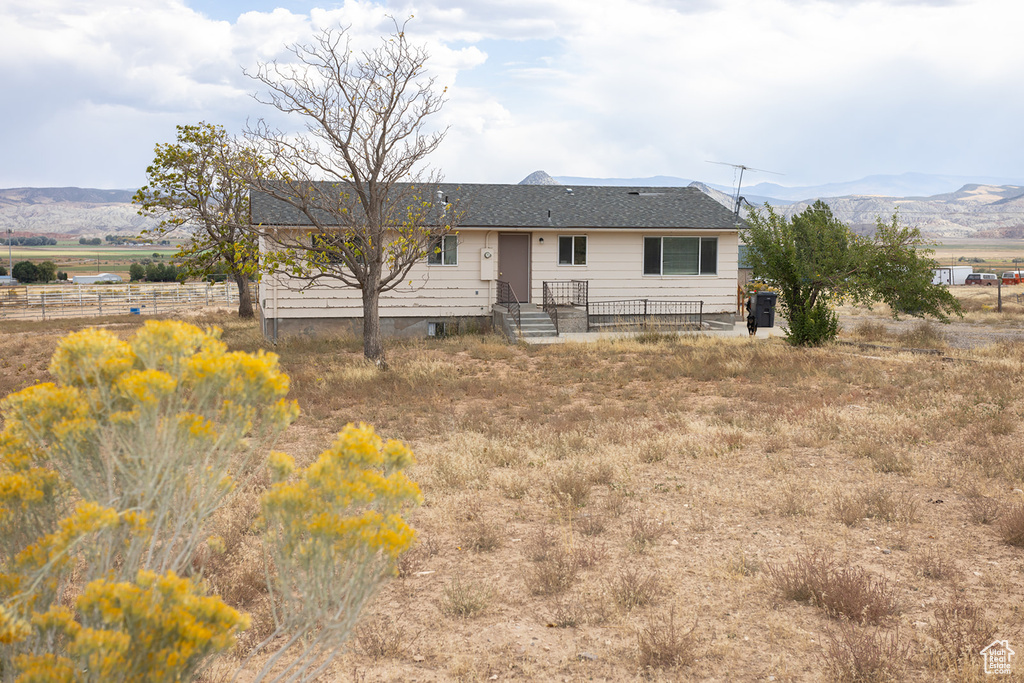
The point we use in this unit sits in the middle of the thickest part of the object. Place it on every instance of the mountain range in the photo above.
(940, 205)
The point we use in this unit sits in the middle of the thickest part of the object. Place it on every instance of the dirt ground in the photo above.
(667, 508)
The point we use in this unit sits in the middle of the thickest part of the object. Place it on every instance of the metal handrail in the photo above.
(507, 298)
(644, 311)
(549, 305)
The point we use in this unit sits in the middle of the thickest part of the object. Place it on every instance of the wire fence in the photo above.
(46, 302)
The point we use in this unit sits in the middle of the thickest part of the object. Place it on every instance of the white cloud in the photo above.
(821, 90)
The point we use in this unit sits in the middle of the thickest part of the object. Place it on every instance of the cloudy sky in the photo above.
(818, 90)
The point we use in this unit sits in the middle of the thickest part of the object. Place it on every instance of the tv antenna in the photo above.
(737, 198)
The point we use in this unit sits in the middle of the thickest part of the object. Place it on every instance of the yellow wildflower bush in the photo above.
(109, 477)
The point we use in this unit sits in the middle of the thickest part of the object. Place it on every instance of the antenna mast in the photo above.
(737, 198)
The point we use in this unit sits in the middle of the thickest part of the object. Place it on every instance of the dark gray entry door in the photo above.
(514, 264)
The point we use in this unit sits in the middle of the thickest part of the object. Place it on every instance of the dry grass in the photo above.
(546, 469)
(841, 591)
(663, 644)
(857, 655)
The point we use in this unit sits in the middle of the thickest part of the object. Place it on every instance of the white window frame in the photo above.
(441, 242)
(661, 253)
(586, 249)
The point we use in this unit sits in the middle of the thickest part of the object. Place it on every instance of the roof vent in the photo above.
(568, 190)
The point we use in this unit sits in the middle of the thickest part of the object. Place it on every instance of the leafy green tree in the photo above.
(136, 272)
(3, 271)
(25, 272)
(199, 182)
(47, 271)
(355, 177)
(816, 262)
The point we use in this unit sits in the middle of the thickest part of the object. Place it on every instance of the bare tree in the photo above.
(355, 176)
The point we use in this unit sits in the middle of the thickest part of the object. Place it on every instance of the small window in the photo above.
(444, 251)
(572, 250)
(680, 255)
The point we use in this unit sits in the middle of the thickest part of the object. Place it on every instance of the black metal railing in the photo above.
(507, 298)
(645, 312)
(564, 293)
(568, 292)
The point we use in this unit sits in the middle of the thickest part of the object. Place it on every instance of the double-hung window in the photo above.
(443, 251)
(572, 250)
(680, 255)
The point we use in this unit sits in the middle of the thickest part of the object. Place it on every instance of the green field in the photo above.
(78, 259)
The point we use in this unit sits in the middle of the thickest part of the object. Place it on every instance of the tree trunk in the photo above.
(245, 311)
(373, 344)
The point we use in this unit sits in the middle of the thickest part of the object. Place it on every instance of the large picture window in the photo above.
(444, 251)
(680, 255)
(572, 250)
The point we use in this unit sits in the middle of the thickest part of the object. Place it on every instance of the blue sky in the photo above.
(818, 90)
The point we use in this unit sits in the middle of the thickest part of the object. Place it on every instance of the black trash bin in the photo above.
(764, 308)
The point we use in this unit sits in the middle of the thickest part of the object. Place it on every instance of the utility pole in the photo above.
(10, 261)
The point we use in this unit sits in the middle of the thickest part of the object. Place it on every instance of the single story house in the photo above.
(516, 244)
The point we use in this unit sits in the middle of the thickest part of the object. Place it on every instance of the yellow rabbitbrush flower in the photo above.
(91, 357)
(146, 387)
(349, 498)
(157, 628)
(88, 518)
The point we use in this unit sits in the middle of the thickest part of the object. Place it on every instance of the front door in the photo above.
(514, 263)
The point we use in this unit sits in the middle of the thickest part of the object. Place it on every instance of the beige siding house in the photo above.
(664, 244)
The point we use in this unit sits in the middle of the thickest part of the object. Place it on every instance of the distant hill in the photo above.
(941, 206)
(70, 211)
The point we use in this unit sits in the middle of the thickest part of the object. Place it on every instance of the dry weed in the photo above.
(633, 586)
(1011, 526)
(464, 599)
(380, 637)
(960, 630)
(553, 575)
(858, 655)
(842, 591)
(644, 530)
(662, 644)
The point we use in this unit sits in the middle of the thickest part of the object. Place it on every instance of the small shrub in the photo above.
(589, 554)
(553, 575)
(464, 600)
(591, 524)
(794, 501)
(854, 655)
(960, 631)
(871, 331)
(841, 591)
(483, 535)
(541, 546)
(877, 503)
(1011, 526)
(571, 488)
(936, 565)
(664, 645)
(644, 530)
(635, 587)
(382, 637)
(742, 564)
(983, 510)
(924, 335)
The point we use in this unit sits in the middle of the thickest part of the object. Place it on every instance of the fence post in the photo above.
(207, 293)
(42, 295)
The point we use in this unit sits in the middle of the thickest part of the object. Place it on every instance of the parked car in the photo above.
(1012, 277)
(982, 279)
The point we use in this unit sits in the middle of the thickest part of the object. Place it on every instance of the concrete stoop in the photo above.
(534, 322)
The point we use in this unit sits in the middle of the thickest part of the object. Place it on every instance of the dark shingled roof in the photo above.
(553, 206)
